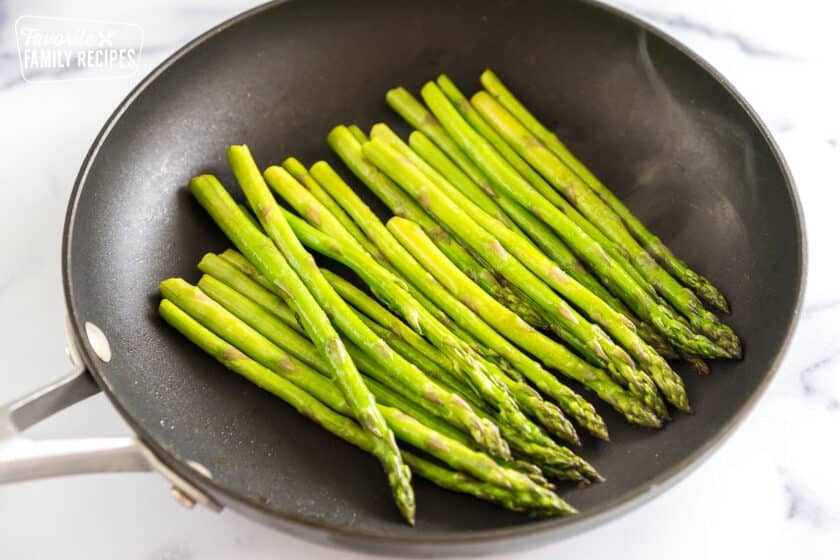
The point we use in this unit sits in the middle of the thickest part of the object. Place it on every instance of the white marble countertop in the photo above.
(771, 491)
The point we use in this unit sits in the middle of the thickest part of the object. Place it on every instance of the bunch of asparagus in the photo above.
(506, 263)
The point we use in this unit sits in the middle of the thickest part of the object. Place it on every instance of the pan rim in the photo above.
(562, 527)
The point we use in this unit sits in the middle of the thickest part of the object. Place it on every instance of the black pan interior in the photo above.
(650, 120)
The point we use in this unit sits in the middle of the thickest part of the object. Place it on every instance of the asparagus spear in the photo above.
(410, 269)
(429, 128)
(343, 143)
(299, 172)
(223, 210)
(391, 399)
(575, 190)
(276, 329)
(221, 269)
(617, 324)
(505, 177)
(534, 497)
(412, 179)
(539, 232)
(391, 288)
(459, 482)
(702, 286)
(209, 192)
(373, 309)
(223, 323)
(544, 237)
(492, 388)
(416, 114)
(434, 363)
(339, 214)
(565, 463)
(218, 315)
(268, 380)
(346, 290)
(533, 227)
(358, 133)
(552, 354)
(526, 437)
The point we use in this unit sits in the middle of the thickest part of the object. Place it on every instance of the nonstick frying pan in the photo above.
(651, 119)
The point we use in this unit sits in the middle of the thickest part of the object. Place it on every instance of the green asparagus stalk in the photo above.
(390, 288)
(358, 133)
(373, 309)
(418, 116)
(459, 482)
(214, 316)
(276, 329)
(283, 334)
(599, 311)
(552, 245)
(435, 364)
(231, 261)
(235, 271)
(590, 205)
(489, 382)
(343, 143)
(551, 353)
(412, 179)
(225, 324)
(287, 339)
(601, 351)
(410, 269)
(533, 227)
(702, 286)
(430, 140)
(514, 491)
(223, 210)
(531, 403)
(505, 177)
(215, 199)
(526, 437)
(340, 215)
(300, 173)
(544, 237)
(221, 269)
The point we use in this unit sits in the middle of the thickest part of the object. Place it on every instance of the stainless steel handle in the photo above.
(23, 458)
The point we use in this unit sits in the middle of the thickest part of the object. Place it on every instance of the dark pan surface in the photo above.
(650, 120)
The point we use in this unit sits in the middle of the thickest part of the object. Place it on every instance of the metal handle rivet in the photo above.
(182, 498)
(98, 341)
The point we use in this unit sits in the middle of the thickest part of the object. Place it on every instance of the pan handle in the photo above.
(23, 458)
